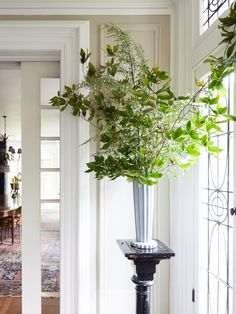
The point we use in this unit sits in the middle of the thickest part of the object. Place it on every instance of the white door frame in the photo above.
(44, 40)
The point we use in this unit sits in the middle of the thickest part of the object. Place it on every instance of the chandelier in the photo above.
(12, 153)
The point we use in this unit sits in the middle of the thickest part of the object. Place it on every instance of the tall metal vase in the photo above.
(143, 212)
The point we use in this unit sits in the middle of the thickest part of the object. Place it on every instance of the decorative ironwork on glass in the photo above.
(212, 9)
(216, 223)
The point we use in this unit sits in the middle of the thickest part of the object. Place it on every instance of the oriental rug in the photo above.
(10, 265)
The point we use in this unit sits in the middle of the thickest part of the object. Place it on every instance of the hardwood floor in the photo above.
(13, 305)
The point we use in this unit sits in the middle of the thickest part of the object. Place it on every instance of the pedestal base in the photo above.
(144, 262)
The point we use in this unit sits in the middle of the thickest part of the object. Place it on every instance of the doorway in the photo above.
(61, 40)
(42, 221)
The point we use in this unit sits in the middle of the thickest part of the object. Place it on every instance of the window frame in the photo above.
(189, 49)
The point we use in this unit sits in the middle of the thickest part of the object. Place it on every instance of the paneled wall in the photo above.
(116, 211)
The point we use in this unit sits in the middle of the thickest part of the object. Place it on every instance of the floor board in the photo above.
(13, 305)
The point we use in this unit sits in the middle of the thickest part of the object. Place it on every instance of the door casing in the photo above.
(50, 41)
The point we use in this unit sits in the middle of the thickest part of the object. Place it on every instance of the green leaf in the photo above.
(189, 127)
(205, 100)
(204, 140)
(230, 50)
(222, 110)
(109, 50)
(112, 70)
(91, 69)
(184, 97)
(194, 135)
(193, 150)
(217, 128)
(230, 117)
(159, 163)
(155, 175)
(165, 96)
(200, 83)
(84, 56)
(147, 181)
(215, 149)
(215, 85)
(181, 138)
(185, 165)
(176, 133)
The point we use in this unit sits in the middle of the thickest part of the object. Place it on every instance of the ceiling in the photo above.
(10, 99)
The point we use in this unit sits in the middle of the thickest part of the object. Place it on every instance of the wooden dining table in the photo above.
(10, 207)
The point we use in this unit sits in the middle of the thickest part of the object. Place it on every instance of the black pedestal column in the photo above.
(144, 263)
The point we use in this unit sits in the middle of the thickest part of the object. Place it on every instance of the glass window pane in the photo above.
(215, 223)
(50, 247)
(50, 123)
(211, 10)
(48, 89)
(50, 278)
(50, 154)
(50, 185)
(50, 216)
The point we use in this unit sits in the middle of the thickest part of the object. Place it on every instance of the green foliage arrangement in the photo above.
(145, 130)
(17, 178)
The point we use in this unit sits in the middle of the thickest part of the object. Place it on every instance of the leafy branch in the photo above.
(145, 130)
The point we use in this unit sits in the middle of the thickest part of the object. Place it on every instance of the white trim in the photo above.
(160, 7)
(31, 285)
(13, 56)
(181, 269)
(234, 203)
(65, 37)
(101, 246)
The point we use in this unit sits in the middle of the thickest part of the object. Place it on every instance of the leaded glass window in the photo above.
(212, 9)
(216, 222)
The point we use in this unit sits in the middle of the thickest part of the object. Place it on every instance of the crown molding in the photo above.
(161, 7)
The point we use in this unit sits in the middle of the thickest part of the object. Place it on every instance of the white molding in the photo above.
(234, 203)
(101, 246)
(12, 56)
(181, 208)
(160, 7)
(137, 27)
(66, 38)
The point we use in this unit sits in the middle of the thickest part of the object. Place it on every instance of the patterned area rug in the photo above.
(10, 265)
